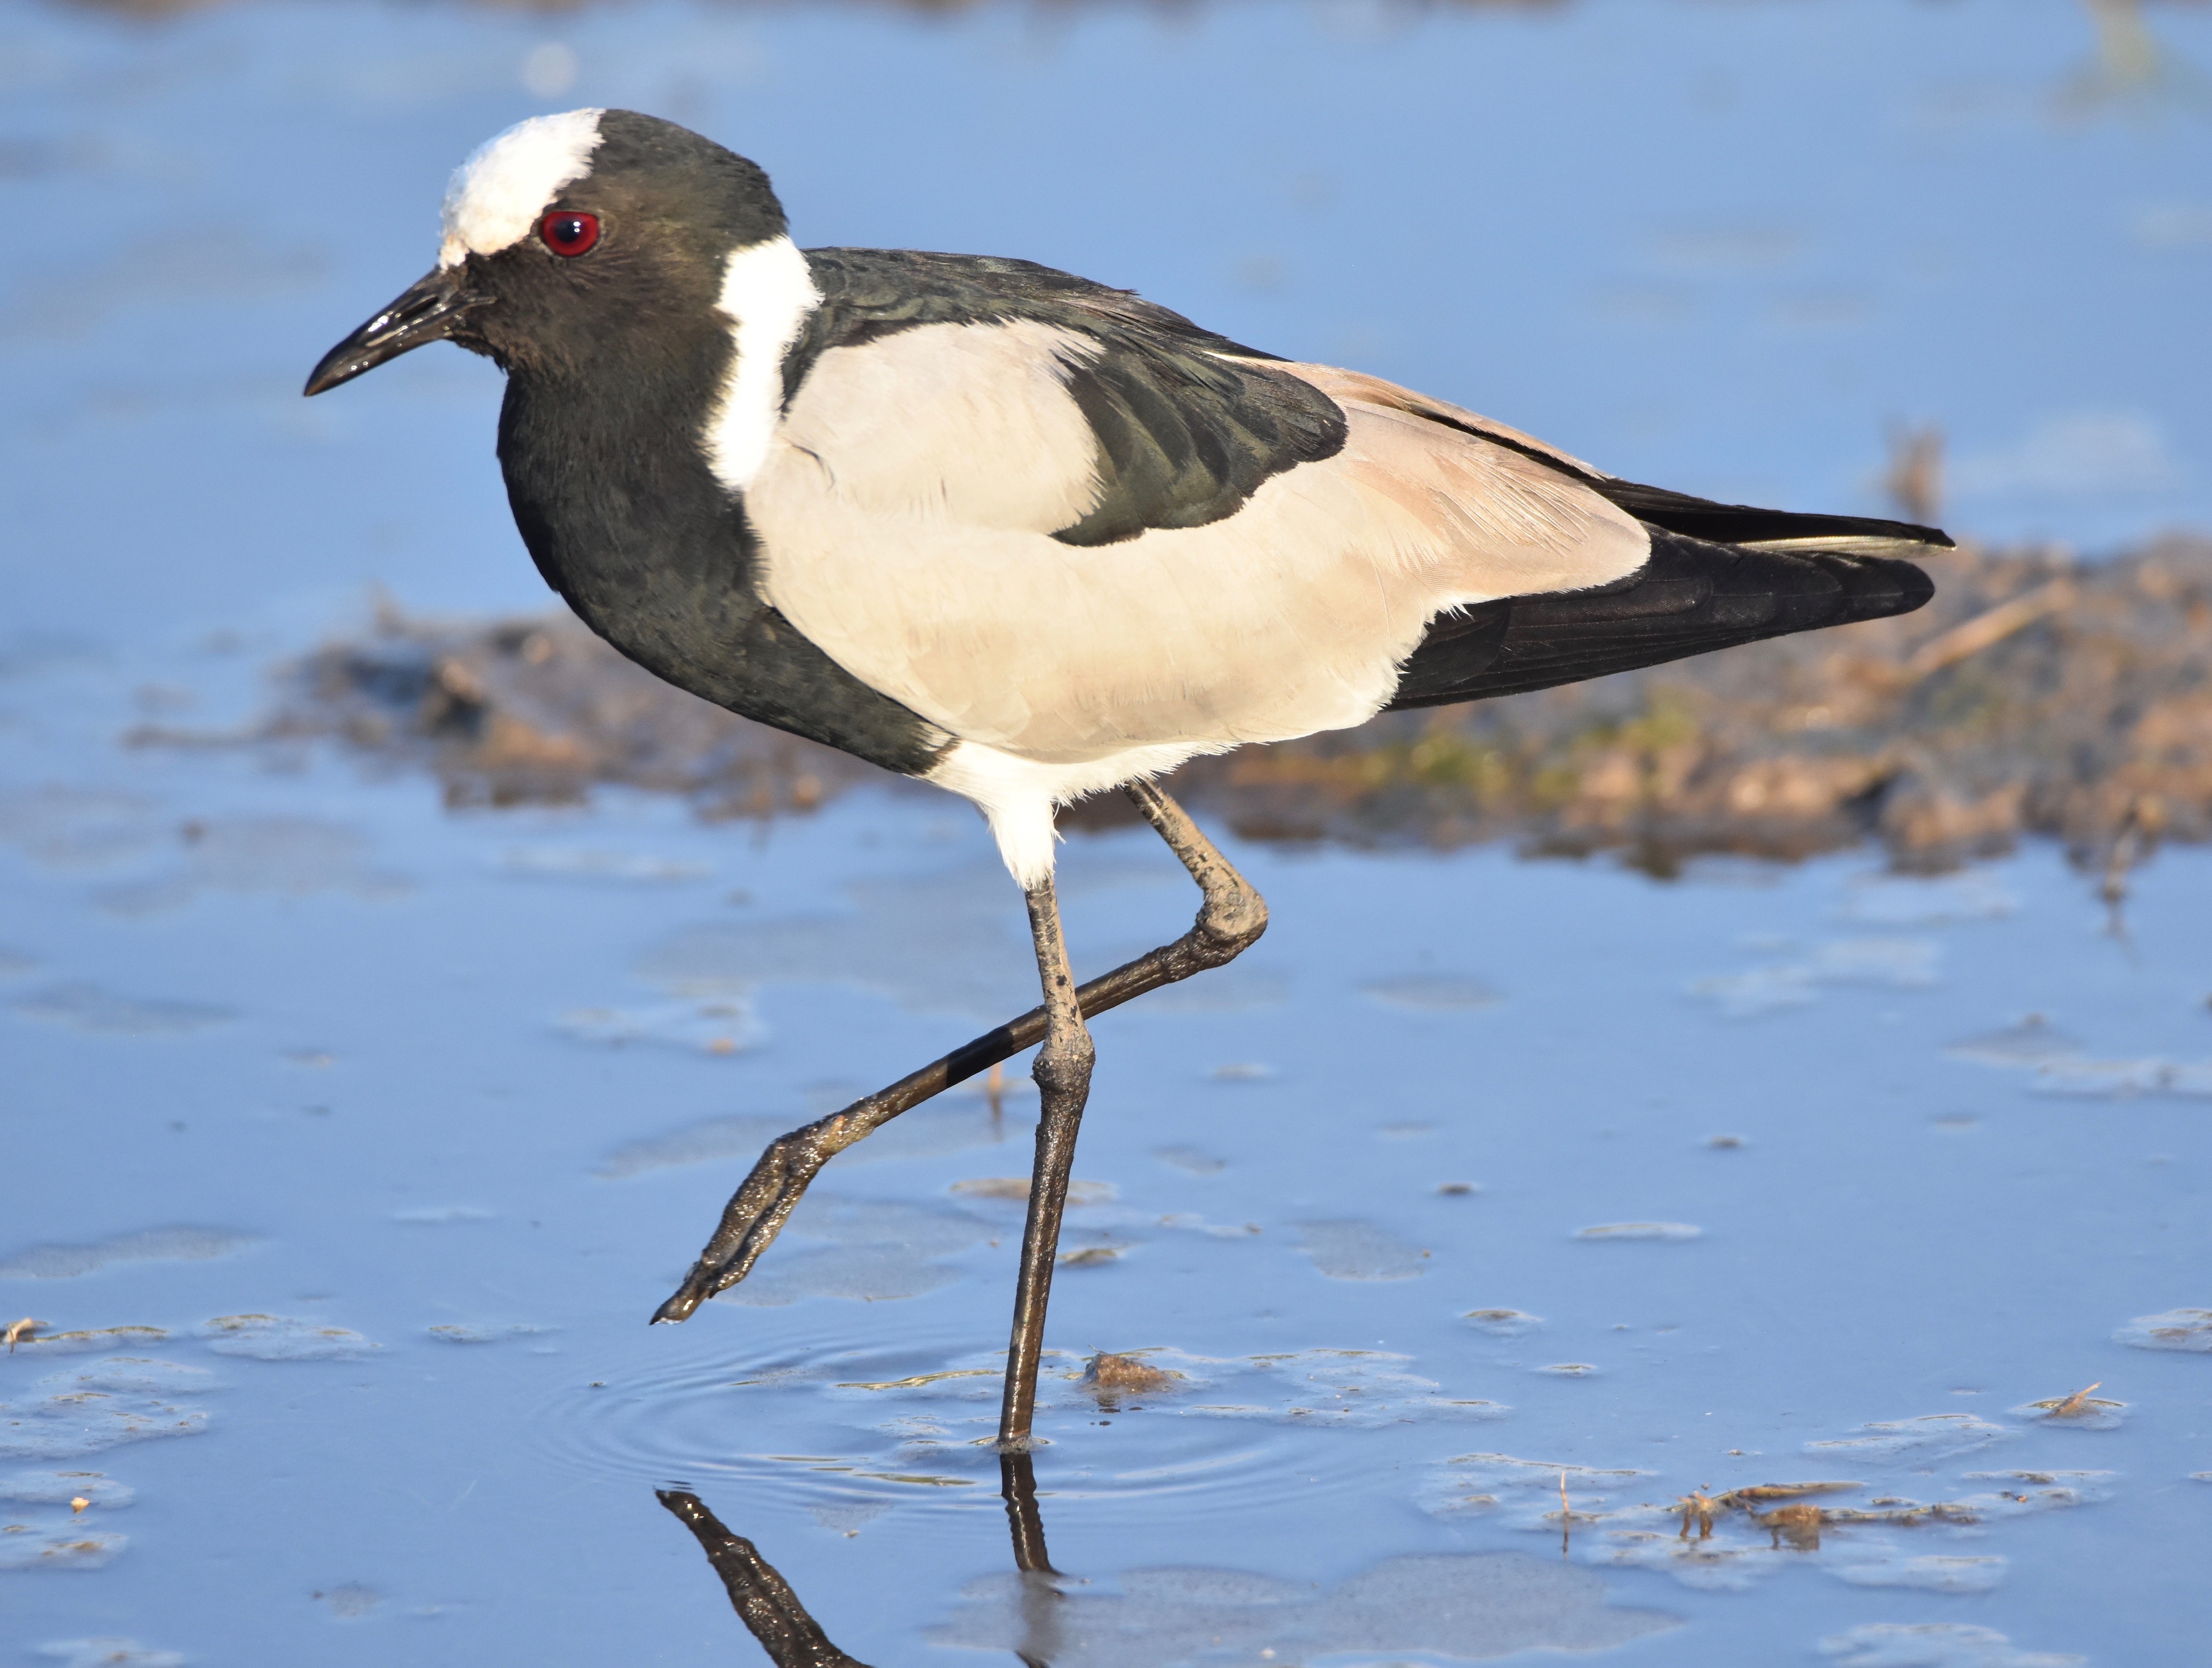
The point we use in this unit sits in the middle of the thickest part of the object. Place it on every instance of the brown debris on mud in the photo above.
(2035, 695)
(539, 711)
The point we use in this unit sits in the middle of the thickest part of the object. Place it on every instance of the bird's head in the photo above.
(569, 236)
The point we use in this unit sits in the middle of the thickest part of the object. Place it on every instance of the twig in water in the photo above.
(1988, 628)
(1700, 1508)
(2076, 1404)
(1915, 480)
(2132, 841)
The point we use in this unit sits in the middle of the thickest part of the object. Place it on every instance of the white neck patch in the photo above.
(768, 290)
(497, 195)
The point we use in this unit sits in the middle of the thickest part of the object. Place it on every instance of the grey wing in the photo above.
(1185, 425)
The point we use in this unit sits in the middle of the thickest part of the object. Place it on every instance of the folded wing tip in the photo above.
(1693, 597)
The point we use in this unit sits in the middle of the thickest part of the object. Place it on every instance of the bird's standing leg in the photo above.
(1231, 917)
(1062, 1073)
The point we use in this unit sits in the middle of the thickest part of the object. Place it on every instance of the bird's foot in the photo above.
(756, 1214)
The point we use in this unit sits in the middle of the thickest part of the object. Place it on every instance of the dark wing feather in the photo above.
(1187, 427)
(1185, 438)
(1746, 524)
(1692, 596)
(1680, 512)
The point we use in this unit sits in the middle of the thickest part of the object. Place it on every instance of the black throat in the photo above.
(611, 487)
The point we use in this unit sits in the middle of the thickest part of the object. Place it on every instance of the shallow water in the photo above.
(350, 1141)
(1414, 1266)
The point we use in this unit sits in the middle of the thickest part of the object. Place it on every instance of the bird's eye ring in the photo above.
(568, 234)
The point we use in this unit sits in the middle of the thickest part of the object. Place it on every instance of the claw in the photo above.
(680, 1305)
(707, 1278)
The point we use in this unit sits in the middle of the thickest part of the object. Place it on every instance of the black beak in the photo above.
(432, 308)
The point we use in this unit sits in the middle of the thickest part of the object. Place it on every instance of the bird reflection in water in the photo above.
(793, 1639)
(1463, 1606)
(2131, 70)
(762, 1599)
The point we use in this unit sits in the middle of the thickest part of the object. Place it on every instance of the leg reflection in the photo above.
(791, 1638)
(1040, 1599)
(1018, 1486)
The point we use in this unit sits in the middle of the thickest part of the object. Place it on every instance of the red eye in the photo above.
(568, 234)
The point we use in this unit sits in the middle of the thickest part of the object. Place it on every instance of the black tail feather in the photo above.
(1691, 597)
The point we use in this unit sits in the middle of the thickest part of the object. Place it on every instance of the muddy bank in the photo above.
(2037, 694)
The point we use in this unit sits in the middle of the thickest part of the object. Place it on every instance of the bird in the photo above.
(1030, 538)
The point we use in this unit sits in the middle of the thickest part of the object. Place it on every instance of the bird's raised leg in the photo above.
(762, 1599)
(1062, 1073)
(1231, 916)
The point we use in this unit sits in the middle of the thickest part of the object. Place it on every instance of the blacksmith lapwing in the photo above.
(1029, 538)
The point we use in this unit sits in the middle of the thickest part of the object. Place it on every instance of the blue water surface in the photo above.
(390, 1125)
